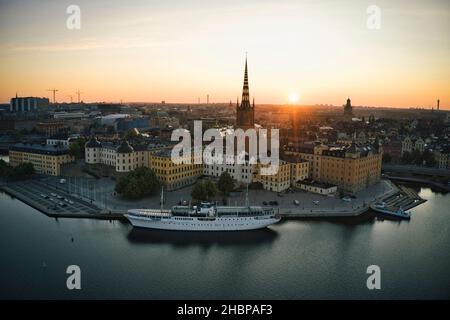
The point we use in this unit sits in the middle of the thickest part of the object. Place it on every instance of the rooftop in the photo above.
(39, 148)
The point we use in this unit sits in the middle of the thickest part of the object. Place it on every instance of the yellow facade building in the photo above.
(172, 175)
(46, 159)
(351, 168)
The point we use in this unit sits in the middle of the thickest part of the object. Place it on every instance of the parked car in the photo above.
(296, 202)
(280, 194)
(62, 181)
(273, 203)
(43, 195)
(53, 194)
(59, 197)
(264, 203)
(346, 199)
(316, 202)
(71, 202)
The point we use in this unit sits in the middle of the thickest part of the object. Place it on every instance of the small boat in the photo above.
(380, 205)
(399, 213)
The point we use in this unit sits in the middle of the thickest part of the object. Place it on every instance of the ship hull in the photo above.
(227, 223)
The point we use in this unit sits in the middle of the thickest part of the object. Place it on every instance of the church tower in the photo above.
(348, 109)
(245, 112)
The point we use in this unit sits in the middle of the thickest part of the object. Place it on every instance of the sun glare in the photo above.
(293, 97)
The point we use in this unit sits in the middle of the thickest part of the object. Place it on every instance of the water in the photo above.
(293, 260)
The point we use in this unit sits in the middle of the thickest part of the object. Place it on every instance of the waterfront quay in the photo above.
(55, 202)
(84, 197)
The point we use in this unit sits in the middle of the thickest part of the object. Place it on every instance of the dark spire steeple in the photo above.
(245, 116)
(245, 89)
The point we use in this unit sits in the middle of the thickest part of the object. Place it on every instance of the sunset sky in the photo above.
(179, 50)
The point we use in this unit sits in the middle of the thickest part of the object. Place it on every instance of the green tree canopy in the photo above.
(226, 183)
(76, 148)
(204, 190)
(20, 172)
(138, 183)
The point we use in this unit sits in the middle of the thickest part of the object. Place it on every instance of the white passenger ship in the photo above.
(206, 217)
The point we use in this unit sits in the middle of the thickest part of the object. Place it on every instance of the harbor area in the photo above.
(405, 199)
(55, 202)
(86, 197)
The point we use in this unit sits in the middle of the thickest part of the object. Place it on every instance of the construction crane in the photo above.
(70, 98)
(54, 94)
(78, 93)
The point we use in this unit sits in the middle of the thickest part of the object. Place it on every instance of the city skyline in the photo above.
(313, 53)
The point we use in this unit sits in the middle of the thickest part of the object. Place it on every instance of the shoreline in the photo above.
(47, 211)
(290, 213)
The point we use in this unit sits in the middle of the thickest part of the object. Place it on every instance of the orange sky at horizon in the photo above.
(182, 50)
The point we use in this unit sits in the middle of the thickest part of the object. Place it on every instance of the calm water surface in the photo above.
(292, 260)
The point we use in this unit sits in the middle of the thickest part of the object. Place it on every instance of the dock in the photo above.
(29, 192)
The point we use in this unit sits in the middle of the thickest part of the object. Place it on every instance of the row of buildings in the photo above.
(350, 168)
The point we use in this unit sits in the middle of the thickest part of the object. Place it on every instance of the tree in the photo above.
(406, 157)
(5, 169)
(226, 183)
(138, 183)
(199, 192)
(428, 158)
(211, 189)
(20, 172)
(416, 157)
(130, 134)
(76, 148)
(204, 190)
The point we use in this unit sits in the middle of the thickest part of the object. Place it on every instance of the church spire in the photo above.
(245, 89)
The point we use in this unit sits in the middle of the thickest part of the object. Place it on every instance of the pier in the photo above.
(62, 205)
(56, 201)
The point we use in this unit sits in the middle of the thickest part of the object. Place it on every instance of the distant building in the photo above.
(123, 157)
(317, 187)
(69, 115)
(27, 104)
(394, 149)
(46, 159)
(111, 119)
(61, 140)
(50, 128)
(125, 124)
(348, 109)
(162, 120)
(413, 144)
(442, 157)
(109, 108)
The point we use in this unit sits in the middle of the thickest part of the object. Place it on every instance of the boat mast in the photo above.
(162, 198)
(247, 203)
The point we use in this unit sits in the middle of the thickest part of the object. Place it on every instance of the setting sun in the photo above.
(293, 97)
